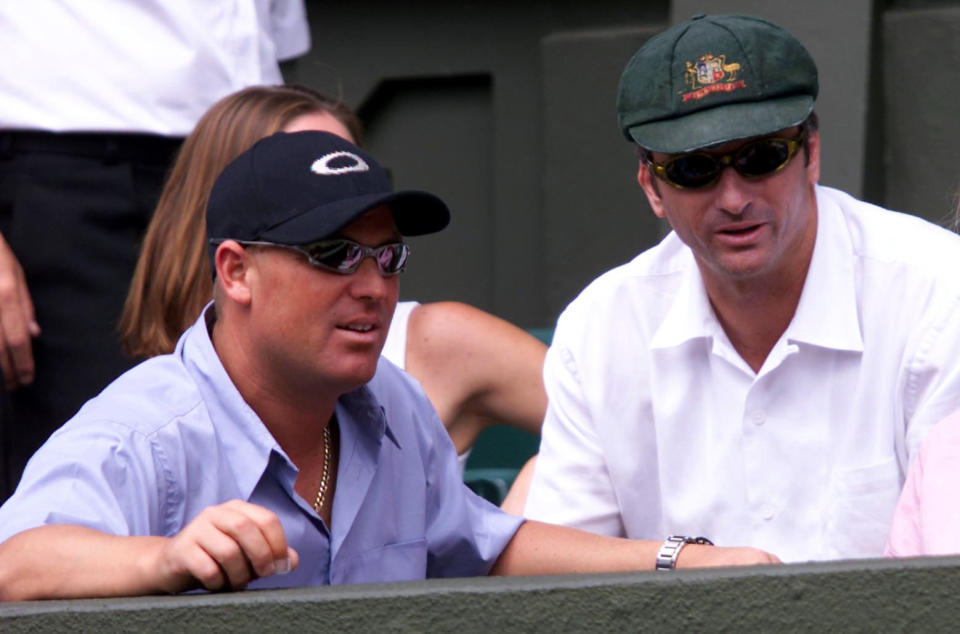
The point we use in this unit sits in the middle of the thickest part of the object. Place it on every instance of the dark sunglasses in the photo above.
(696, 170)
(341, 255)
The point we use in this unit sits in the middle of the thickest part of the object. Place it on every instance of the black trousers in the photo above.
(74, 208)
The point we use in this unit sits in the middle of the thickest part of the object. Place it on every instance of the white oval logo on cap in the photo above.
(323, 164)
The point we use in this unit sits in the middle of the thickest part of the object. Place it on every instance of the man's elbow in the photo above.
(12, 586)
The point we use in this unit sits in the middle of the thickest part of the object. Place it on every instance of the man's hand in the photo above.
(699, 556)
(18, 323)
(224, 548)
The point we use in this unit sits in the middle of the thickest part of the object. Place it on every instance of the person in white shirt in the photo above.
(96, 98)
(766, 373)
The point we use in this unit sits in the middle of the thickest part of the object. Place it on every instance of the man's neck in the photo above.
(755, 318)
(295, 417)
(755, 312)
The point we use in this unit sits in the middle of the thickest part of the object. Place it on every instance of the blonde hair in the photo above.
(172, 281)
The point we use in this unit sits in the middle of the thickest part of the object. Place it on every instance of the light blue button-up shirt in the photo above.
(173, 436)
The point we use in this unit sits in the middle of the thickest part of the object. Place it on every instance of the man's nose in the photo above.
(367, 281)
(733, 192)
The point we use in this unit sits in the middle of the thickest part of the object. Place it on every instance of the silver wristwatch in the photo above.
(670, 550)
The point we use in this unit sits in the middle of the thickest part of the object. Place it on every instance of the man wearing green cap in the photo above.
(765, 374)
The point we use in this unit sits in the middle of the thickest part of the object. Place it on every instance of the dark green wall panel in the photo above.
(856, 596)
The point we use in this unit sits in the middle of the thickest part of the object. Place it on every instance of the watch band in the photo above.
(670, 550)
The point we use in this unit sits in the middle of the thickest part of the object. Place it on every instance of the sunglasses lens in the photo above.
(391, 258)
(692, 170)
(762, 158)
(339, 255)
(345, 256)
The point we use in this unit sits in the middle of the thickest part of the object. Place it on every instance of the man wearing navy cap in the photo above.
(765, 373)
(273, 447)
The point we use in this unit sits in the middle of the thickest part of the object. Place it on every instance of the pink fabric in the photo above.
(927, 519)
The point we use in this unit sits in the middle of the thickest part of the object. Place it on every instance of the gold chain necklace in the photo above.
(325, 478)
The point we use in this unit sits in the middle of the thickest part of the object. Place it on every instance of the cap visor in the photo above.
(416, 213)
(722, 124)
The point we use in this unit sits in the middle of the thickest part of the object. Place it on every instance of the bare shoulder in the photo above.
(457, 328)
(475, 364)
(440, 316)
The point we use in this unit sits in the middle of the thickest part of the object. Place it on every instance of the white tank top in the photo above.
(395, 351)
(395, 347)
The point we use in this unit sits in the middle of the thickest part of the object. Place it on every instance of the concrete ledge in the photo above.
(852, 595)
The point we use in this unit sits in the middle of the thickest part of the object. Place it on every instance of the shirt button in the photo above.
(767, 512)
(757, 417)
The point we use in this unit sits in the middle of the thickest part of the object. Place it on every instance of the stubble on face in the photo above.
(745, 230)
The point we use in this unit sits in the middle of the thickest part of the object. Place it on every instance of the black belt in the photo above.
(109, 146)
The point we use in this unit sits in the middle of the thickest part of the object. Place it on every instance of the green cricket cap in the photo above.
(714, 79)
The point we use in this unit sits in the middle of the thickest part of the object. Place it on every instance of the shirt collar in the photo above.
(361, 407)
(239, 429)
(690, 315)
(826, 315)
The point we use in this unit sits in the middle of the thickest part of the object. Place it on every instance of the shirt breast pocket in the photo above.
(860, 507)
(403, 561)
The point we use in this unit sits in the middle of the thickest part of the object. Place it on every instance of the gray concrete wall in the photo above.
(890, 596)
(921, 58)
(594, 214)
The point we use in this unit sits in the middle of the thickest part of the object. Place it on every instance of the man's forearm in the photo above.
(224, 547)
(62, 561)
(540, 549)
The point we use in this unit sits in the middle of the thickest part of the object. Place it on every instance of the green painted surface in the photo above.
(887, 595)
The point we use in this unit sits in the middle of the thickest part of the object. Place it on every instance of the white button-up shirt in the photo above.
(151, 66)
(656, 425)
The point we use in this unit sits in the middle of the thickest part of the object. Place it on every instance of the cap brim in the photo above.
(722, 124)
(415, 212)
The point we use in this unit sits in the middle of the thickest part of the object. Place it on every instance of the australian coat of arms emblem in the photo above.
(709, 74)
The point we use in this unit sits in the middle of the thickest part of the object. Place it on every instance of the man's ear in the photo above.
(234, 267)
(646, 179)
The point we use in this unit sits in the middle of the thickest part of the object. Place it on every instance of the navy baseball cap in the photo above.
(301, 187)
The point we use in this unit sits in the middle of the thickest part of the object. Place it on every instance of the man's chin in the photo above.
(358, 376)
(742, 266)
